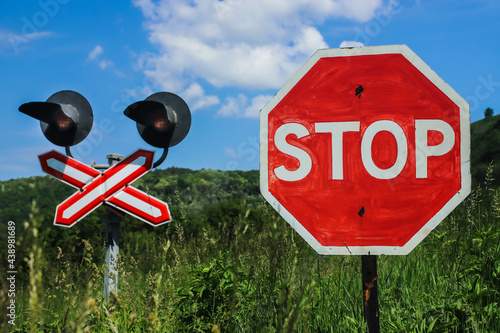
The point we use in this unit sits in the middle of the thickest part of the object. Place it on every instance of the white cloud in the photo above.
(351, 43)
(257, 104)
(357, 10)
(95, 53)
(147, 7)
(231, 153)
(139, 92)
(95, 56)
(105, 63)
(239, 44)
(17, 41)
(196, 98)
(30, 36)
(240, 106)
(233, 106)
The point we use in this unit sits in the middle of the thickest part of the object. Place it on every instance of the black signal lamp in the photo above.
(163, 120)
(65, 118)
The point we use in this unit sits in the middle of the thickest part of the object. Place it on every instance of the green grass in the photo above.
(253, 273)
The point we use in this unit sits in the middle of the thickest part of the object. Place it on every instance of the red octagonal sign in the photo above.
(365, 150)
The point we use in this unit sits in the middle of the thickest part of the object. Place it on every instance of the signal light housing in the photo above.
(163, 119)
(66, 117)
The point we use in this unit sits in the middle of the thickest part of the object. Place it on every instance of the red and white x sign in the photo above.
(110, 187)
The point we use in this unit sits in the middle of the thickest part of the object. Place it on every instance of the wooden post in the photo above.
(370, 292)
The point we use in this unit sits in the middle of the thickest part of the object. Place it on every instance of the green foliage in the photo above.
(485, 143)
(266, 279)
(488, 113)
(16, 196)
(229, 263)
(207, 297)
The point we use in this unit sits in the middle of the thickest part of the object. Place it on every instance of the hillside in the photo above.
(195, 197)
(485, 148)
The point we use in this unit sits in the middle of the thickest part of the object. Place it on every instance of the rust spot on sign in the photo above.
(367, 289)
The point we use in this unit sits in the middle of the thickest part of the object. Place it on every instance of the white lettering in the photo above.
(337, 130)
(422, 148)
(366, 149)
(304, 159)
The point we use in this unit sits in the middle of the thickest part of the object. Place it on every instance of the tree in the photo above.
(488, 113)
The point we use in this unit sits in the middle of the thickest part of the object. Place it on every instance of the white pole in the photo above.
(112, 221)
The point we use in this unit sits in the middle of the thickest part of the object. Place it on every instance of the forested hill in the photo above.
(190, 194)
(485, 142)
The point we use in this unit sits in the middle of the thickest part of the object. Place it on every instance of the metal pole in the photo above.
(370, 292)
(112, 221)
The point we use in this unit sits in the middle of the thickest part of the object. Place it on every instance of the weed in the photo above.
(246, 270)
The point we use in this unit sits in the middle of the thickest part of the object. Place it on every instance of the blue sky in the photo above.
(226, 59)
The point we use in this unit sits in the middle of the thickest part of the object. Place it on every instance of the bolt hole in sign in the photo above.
(365, 150)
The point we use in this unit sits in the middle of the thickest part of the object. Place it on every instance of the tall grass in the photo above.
(267, 279)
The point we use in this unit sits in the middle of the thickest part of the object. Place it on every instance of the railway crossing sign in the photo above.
(365, 150)
(110, 187)
(163, 120)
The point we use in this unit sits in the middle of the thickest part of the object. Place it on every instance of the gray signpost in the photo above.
(112, 219)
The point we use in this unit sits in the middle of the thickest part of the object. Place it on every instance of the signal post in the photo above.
(163, 120)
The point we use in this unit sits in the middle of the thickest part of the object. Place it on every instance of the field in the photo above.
(233, 265)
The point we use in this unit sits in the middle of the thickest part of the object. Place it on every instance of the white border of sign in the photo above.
(464, 140)
(128, 199)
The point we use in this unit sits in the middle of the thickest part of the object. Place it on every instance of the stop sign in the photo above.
(365, 150)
